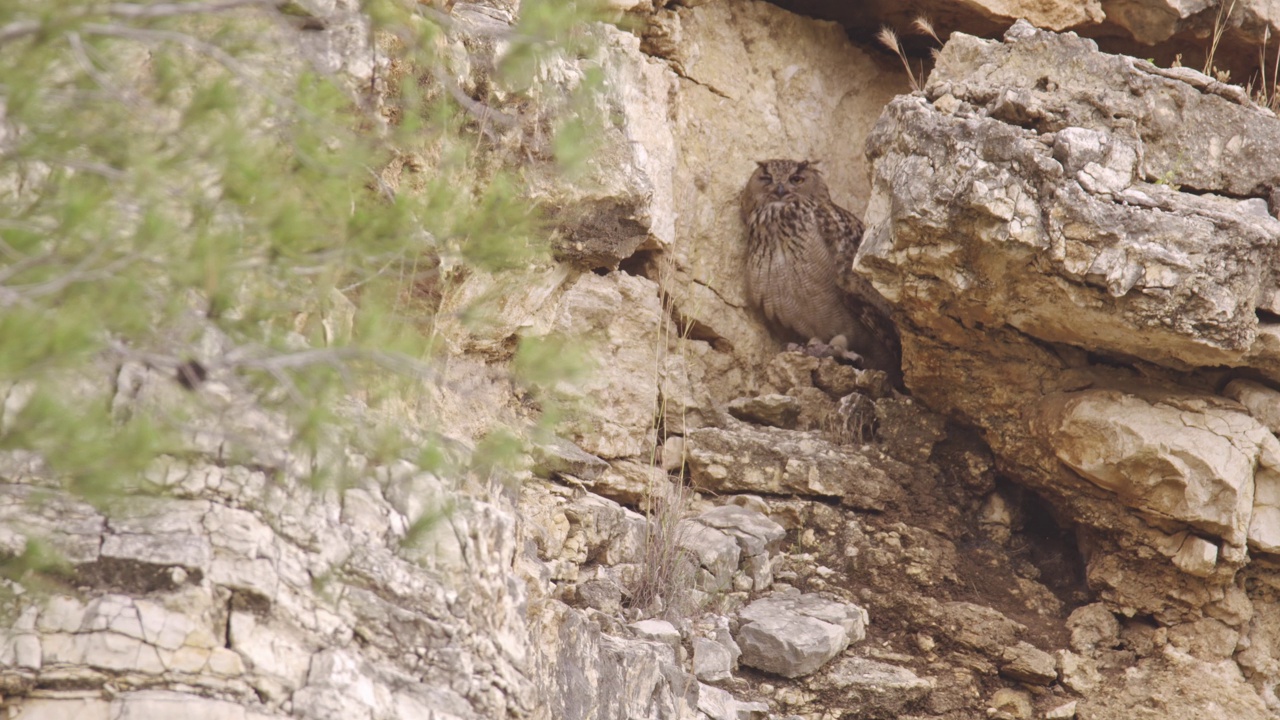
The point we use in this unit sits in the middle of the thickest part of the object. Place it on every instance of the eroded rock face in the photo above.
(753, 82)
(1070, 287)
(1192, 459)
(792, 635)
(1166, 29)
(1063, 234)
(768, 460)
(1078, 244)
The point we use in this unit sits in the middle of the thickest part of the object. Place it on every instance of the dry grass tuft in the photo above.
(921, 26)
(1219, 29)
(924, 26)
(889, 39)
(667, 569)
(1265, 92)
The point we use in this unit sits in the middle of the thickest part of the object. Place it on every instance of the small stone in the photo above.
(1014, 704)
(719, 704)
(716, 551)
(61, 614)
(754, 531)
(1020, 30)
(837, 379)
(1029, 664)
(750, 502)
(788, 370)
(995, 518)
(562, 457)
(780, 411)
(673, 453)
(1197, 556)
(1262, 402)
(631, 483)
(1065, 711)
(187, 660)
(601, 593)
(715, 703)
(658, 630)
(978, 627)
(752, 711)
(1092, 626)
(926, 643)
(712, 662)
(1079, 674)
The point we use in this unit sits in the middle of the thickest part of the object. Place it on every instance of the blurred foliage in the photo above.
(188, 188)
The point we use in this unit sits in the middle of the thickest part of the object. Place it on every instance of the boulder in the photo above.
(792, 635)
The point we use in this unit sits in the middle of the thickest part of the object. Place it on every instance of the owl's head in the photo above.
(784, 181)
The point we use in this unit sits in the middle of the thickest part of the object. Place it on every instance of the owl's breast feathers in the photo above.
(799, 273)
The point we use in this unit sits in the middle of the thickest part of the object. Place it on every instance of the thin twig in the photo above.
(81, 273)
(134, 11)
(190, 42)
(163, 10)
(18, 29)
(23, 265)
(494, 30)
(102, 79)
(96, 168)
(476, 109)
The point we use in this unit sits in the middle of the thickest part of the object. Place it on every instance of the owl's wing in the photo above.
(882, 348)
(842, 232)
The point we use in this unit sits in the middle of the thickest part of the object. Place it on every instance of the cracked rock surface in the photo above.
(1074, 513)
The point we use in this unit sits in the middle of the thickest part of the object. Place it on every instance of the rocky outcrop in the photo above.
(1082, 254)
(1169, 30)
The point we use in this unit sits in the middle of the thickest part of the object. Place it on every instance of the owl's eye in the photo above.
(797, 179)
(766, 179)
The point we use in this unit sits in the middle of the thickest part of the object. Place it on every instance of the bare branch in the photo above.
(222, 57)
(183, 39)
(494, 29)
(476, 109)
(162, 10)
(17, 29)
(395, 362)
(135, 11)
(83, 272)
(22, 265)
(101, 78)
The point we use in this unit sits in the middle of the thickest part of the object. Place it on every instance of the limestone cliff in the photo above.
(1074, 511)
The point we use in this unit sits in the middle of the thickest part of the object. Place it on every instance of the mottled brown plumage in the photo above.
(800, 248)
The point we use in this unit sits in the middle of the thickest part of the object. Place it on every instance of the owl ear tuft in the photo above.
(804, 164)
(762, 164)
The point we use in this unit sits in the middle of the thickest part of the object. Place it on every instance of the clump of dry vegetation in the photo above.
(888, 38)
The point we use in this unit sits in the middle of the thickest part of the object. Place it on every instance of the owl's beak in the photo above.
(780, 190)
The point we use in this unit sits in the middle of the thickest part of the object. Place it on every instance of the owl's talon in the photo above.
(834, 350)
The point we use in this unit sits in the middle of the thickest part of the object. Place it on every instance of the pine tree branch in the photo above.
(135, 11)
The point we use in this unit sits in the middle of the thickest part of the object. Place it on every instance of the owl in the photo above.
(800, 248)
